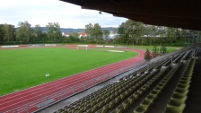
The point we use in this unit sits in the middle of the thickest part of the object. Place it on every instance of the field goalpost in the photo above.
(83, 46)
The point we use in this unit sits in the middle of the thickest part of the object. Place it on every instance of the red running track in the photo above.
(29, 99)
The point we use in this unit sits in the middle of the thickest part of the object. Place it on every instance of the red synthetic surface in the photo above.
(71, 45)
(22, 45)
(92, 45)
(13, 101)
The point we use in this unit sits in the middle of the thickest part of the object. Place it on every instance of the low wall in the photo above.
(109, 46)
(92, 45)
(71, 45)
(23, 45)
(50, 45)
(54, 45)
(99, 45)
(29, 45)
(10, 46)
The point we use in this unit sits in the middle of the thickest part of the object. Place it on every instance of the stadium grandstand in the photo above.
(170, 85)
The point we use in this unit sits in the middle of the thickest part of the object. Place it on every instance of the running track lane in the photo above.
(21, 98)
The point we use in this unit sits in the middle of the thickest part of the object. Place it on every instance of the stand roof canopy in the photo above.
(173, 13)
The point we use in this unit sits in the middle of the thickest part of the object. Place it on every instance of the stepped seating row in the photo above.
(138, 93)
(115, 88)
(117, 97)
(137, 84)
(179, 96)
(120, 90)
(183, 83)
(186, 55)
(146, 103)
(101, 93)
(179, 57)
(134, 97)
(126, 101)
(155, 65)
(193, 53)
(149, 100)
(159, 63)
(169, 61)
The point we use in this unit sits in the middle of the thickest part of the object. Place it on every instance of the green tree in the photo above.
(131, 29)
(171, 34)
(24, 31)
(185, 35)
(121, 40)
(89, 29)
(94, 32)
(75, 34)
(163, 50)
(147, 55)
(9, 31)
(54, 32)
(38, 33)
(2, 33)
(123, 36)
(106, 33)
(138, 31)
(72, 39)
(154, 52)
(45, 37)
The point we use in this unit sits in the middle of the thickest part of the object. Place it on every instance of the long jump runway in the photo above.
(35, 98)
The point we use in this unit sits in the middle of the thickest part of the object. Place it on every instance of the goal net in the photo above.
(82, 47)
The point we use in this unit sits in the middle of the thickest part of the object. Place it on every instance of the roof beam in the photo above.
(172, 9)
(174, 13)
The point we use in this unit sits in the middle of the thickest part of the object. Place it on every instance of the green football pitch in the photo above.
(23, 68)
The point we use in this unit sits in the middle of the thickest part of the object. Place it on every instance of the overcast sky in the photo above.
(43, 11)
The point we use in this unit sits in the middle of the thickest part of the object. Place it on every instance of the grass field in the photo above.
(23, 68)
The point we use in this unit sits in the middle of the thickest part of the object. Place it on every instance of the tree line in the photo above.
(129, 33)
(25, 34)
(137, 33)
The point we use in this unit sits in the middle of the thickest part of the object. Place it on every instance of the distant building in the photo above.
(65, 34)
(83, 34)
(112, 35)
